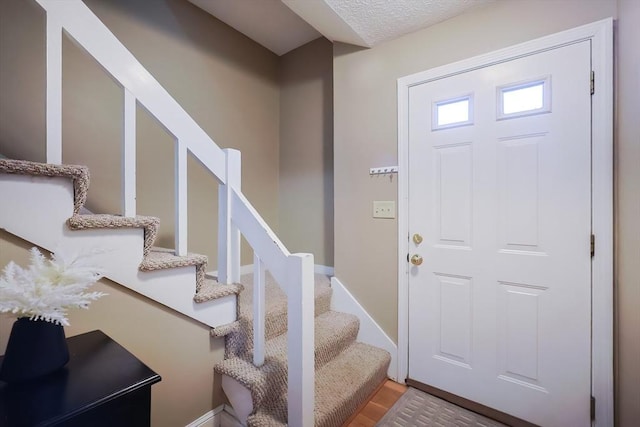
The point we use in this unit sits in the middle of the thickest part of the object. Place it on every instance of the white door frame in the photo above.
(601, 36)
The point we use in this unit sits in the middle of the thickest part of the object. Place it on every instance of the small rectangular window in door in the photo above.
(524, 99)
(452, 112)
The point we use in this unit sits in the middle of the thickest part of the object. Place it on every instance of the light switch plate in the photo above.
(384, 209)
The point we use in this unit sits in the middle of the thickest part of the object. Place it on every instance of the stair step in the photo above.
(240, 333)
(149, 224)
(334, 332)
(276, 302)
(341, 386)
(162, 258)
(211, 290)
(78, 174)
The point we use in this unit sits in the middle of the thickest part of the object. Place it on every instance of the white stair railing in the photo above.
(294, 272)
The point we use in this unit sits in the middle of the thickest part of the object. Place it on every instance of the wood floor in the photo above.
(380, 402)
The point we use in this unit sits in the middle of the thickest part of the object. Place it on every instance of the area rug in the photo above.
(416, 408)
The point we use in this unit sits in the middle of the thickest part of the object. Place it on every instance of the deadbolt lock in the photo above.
(417, 239)
(416, 259)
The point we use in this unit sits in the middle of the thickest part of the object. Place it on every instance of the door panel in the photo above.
(499, 311)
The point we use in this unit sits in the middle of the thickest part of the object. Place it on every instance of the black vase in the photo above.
(35, 348)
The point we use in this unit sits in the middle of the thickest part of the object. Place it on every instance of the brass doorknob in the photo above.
(417, 239)
(416, 259)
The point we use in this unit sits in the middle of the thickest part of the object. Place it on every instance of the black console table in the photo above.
(103, 385)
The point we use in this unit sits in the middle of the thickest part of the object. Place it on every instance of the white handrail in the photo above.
(261, 238)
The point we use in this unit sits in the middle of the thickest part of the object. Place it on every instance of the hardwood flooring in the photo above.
(380, 402)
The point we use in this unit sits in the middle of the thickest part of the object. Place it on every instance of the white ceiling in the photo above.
(283, 25)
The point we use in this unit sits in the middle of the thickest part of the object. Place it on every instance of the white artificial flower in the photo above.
(49, 287)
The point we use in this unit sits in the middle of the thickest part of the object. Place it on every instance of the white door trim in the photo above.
(601, 36)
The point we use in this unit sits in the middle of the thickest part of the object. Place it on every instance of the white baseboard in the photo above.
(222, 416)
(370, 332)
(247, 269)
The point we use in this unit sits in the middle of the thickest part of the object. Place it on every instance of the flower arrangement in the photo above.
(48, 287)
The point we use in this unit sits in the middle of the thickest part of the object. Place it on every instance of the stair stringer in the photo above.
(37, 208)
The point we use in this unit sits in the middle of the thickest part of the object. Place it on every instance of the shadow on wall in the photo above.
(183, 21)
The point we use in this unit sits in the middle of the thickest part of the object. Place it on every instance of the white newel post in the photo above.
(259, 310)
(54, 89)
(228, 233)
(181, 197)
(301, 339)
(129, 155)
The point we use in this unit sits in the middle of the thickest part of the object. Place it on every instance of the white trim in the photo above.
(602, 226)
(601, 36)
(370, 332)
(222, 416)
(324, 269)
(248, 269)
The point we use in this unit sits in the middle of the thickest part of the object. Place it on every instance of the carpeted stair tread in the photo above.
(78, 174)
(149, 224)
(161, 258)
(340, 387)
(276, 302)
(211, 290)
(239, 335)
(334, 332)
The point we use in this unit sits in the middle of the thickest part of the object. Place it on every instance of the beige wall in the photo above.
(627, 175)
(178, 348)
(306, 150)
(365, 136)
(22, 84)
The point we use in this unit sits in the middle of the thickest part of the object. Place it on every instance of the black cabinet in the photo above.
(103, 385)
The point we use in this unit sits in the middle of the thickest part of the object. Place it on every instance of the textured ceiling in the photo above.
(377, 21)
(283, 25)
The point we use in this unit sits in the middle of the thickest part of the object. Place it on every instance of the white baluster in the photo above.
(228, 233)
(258, 310)
(181, 197)
(54, 89)
(129, 155)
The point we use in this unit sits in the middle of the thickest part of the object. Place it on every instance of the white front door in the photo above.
(500, 192)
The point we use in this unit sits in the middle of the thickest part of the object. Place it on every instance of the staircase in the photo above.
(346, 371)
(284, 365)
